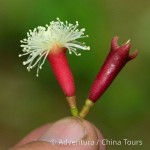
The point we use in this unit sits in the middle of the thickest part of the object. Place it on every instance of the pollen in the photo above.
(40, 41)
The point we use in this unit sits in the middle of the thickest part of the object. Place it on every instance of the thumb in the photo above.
(68, 134)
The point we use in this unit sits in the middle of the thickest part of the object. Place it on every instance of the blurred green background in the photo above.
(27, 102)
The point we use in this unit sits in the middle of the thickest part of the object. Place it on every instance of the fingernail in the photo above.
(64, 131)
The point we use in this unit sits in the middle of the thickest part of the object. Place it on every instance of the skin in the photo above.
(33, 140)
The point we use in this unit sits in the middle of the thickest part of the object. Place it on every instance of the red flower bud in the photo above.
(115, 61)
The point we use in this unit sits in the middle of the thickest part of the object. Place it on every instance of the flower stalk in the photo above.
(115, 61)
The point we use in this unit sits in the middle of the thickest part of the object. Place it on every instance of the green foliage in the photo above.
(27, 102)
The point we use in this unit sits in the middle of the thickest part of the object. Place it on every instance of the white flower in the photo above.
(40, 41)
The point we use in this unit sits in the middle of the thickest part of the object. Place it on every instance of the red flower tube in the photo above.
(59, 64)
(58, 61)
(115, 61)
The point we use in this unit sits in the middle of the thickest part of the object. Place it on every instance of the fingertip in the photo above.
(68, 133)
(94, 133)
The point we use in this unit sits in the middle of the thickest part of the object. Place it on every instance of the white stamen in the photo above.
(40, 41)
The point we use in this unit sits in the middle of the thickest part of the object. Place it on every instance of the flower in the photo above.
(40, 41)
(52, 42)
(114, 62)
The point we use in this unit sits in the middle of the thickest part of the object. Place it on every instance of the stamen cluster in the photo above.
(40, 41)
